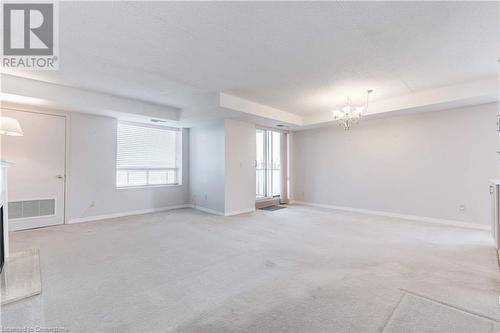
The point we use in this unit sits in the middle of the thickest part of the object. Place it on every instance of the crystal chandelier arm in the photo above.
(350, 114)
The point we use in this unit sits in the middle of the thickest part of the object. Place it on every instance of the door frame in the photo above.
(265, 199)
(284, 159)
(67, 136)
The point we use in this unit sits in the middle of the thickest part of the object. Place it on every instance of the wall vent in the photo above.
(31, 208)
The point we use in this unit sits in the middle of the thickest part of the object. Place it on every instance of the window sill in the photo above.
(143, 187)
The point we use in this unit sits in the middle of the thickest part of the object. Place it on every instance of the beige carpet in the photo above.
(299, 269)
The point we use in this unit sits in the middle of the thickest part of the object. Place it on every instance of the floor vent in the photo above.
(273, 208)
(32, 208)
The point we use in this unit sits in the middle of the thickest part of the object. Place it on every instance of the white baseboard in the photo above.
(122, 214)
(155, 210)
(397, 215)
(241, 211)
(216, 212)
(207, 210)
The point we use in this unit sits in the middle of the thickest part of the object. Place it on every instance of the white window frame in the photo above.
(178, 167)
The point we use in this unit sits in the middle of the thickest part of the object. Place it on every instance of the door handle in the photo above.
(59, 176)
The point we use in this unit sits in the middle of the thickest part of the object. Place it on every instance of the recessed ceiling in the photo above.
(301, 57)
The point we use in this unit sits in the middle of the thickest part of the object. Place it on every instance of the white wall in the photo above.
(239, 166)
(425, 164)
(222, 171)
(92, 174)
(206, 171)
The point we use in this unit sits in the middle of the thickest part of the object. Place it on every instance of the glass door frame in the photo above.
(267, 165)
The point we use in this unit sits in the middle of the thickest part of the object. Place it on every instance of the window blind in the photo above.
(146, 155)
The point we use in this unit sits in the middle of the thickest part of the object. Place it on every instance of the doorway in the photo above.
(36, 180)
(268, 164)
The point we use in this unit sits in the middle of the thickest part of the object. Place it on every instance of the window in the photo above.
(147, 155)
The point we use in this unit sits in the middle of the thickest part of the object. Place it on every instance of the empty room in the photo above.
(250, 166)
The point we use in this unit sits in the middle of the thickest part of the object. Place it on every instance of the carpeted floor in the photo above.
(299, 269)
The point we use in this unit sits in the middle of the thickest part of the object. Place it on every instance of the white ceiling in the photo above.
(301, 57)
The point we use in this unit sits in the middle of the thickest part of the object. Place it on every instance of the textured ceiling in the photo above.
(296, 56)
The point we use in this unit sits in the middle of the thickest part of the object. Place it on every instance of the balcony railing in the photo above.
(273, 182)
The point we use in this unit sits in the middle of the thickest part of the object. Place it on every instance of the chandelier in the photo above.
(350, 113)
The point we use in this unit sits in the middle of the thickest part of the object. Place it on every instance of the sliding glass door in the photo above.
(268, 166)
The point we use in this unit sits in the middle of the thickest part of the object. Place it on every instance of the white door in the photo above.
(36, 181)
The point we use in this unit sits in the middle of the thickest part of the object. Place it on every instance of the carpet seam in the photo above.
(450, 305)
(392, 312)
